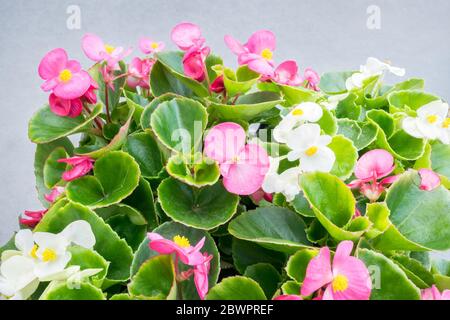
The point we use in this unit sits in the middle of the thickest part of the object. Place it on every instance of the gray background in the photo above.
(327, 35)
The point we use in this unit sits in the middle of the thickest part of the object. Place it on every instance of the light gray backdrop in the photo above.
(327, 35)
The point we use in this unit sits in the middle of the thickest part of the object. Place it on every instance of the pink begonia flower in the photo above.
(65, 108)
(194, 63)
(257, 53)
(260, 195)
(32, 218)
(287, 73)
(187, 35)
(371, 167)
(218, 85)
(62, 76)
(201, 272)
(96, 50)
(347, 278)
(288, 297)
(148, 46)
(81, 166)
(139, 70)
(434, 294)
(90, 95)
(312, 79)
(429, 180)
(243, 166)
(54, 194)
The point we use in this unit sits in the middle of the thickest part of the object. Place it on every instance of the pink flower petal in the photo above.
(193, 65)
(52, 64)
(224, 141)
(429, 180)
(75, 88)
(261, 40)
(235, 46)
(376, 164)
(288, 297)
(201, 272)
(312, 78)
(318, 273)
(389, 180)
(286, 73)
(56, 192)
(93, 47)
(261, 66)
(185, 35)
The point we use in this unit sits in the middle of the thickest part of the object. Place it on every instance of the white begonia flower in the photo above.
(373, 67)
(311, 148)
(17, 278)
(286, 182)
(431, 122)
(332, 101)
(304, 112)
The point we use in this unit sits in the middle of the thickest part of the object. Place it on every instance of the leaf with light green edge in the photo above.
(389, 282)
(410, 84)
(53, 169)
(296, 95)
(425, 160)
(60, 290)
(334, 82)
(441, 273)
(116, 175)
(108, 244)
(122, 209)
(169, 230)
(113, 94)
(162, 81)
(316, 233)
(89, 259)
(440, 155)
(302, 206)
(144, 149)
(239, 82)
(126, 229)
(362, 134)
(421, 217)
(116, 143)
(328, 122)
(246, 108)
(368, 135)
(298, 262)
(172, 61)
(266, 276)
(155, 279)
(122, 296)
(148, 110)
(349, 128)
(236, 288)
(346, 156)
(274, 228)
(291, 287)
(142, 200)
(414, 270)
(247, 253)
(194, 170)
(45, 126)
(179, 124)
(409, 100)
(378, 214)
(136, 102)
(204, 208)
(349, 108)
(43, 151)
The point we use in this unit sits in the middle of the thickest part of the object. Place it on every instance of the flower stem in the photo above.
(108, 114)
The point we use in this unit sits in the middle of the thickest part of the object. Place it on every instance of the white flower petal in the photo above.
(434, 108)
(15, 274)
(409, 124)
(323, 160)
(304, 136)
(80, 233)
(24, 240)
(45, 270)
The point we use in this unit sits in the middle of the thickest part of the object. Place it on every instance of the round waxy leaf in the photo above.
(407, 100)
(239, 82)
(147, 113)
(204, 208)
(272, 227)
(45, 126)
(116, 175)
(179, 124)
(297, 95)
(266, 276)
(346, 156)
(53, 169)
(236, 288)
(144, 149)
(298, 262)
(328, 123)
(197, 170)
(440, 155)
(122, 209)
(89, 259)
(82, 291)
(334, 82)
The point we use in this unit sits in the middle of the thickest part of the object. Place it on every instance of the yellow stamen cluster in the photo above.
(65, 75)
(49, 255)
(311, 151)
(267, 54)
(298, 112)
(446, 123)
(109, 49)
(182, 241)
(154, 45)
(33, 251)
(432, 119)
(340, 283)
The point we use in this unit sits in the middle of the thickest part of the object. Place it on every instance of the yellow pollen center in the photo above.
(267, 54)
(33, 252)
(65, 75)
(298, 112)
(340, 283)
(432, 119)
(182, 241)
(109, 48)
(48, 255)
(154, 45)
(446, 123)
(311, 151)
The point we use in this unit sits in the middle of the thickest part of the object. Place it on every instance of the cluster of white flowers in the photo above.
(42, 257)
(307, 145)
(432, 122)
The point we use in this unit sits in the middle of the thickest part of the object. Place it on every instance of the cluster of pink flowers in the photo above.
(188, 255)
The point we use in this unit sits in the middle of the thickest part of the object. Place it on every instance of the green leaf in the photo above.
(440, 155)
(408, 100)
(53, 169)
(162, 81)
(148, 110)
(297, 95)
(272, 227)
(194, 170)
(126, 229)
(45, 126)
(362, 134)
(414, 270)
(179, 124)
(116, 175)
(346, 156)
(122, 209)
(108, 244)
(328, 122)
(239, 82)
(302, 206)
(298, 262)
(348, 108)
(236, 288)
(389, 282)
(43, 151)
(246, 108)
(266, 276)
(204, 208)
(378, 214)
(421, 217)
(89, 259)
(169, 230)
(291, 287)
(113, 94)
(144, 149)
(62, 291)
(334, 82)
(441, 273)
(155, 279)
